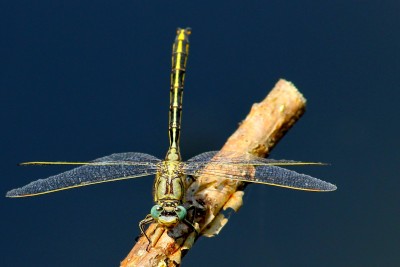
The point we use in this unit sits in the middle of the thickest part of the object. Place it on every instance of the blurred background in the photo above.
(83, 79)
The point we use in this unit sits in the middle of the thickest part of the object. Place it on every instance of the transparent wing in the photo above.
(269, 175)
(248, 168)
(128, 158)
(236, 158)
(106, 169)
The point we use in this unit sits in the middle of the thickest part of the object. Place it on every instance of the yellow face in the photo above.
(168, 221)
(168, 214)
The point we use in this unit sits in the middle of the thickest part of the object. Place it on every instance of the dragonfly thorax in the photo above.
(169, 182)
(168, 194)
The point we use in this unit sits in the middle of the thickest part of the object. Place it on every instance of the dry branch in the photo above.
(265, 125)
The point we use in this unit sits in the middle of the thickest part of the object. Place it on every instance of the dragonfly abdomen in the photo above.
(180, 51)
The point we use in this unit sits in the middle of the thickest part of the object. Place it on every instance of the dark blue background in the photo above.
(84, 79)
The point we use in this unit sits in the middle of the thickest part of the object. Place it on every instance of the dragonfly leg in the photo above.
(189, 179)
(194, 212)
(190, 224)
(149, 219)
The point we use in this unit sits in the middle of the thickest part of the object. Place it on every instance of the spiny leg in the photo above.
(194, 212)
(191, 222)
(189, 179)
(149, 219)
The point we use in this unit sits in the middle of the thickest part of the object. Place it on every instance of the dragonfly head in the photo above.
(168, 214)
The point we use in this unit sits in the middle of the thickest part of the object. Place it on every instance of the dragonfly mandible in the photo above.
(170, 173)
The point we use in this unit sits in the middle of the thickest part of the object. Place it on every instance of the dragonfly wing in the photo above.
(239, 159)
(128, 158)
(106, 169)
(269, 175)
(203, 157)
(278, 176)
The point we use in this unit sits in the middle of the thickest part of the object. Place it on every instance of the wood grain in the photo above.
(264, 126)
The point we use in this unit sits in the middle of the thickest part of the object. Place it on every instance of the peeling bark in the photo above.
(264, 126)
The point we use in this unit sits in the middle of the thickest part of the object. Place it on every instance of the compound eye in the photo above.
(156, 211)
(180, 212)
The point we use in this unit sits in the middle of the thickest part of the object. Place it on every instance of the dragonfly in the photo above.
(170, 173)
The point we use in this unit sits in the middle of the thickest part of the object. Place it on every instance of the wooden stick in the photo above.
(263, 127)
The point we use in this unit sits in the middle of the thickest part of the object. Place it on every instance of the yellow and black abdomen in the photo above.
(180, 52)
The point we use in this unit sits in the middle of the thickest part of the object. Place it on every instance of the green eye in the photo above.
(180, 212)
(156, 211)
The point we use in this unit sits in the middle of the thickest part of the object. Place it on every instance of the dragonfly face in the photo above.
(168, 213)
